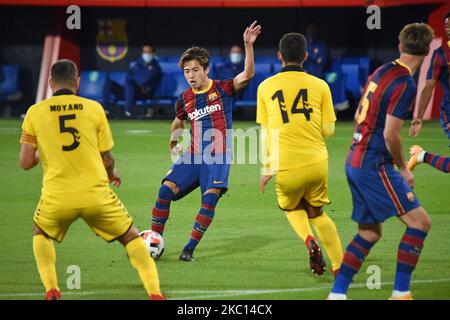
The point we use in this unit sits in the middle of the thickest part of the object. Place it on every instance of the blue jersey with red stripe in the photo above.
(439, 70)
(390, 90)
(210, 109)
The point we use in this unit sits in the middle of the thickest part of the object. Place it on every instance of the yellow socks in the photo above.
(328, 235)
(145, 266)
(300, 223)
(45, 255)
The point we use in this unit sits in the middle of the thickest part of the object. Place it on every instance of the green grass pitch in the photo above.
(249, 252)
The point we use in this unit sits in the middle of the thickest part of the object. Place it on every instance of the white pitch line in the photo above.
(237, 293)
(33, 294)
(221, 293)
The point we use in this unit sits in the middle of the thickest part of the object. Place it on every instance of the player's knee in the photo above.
(171, 185)
(372, 233)
(425, 222)
(215, 191)
(131, 234)
(418, 219)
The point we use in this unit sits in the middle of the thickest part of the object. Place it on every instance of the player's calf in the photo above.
(354, 256)
(161, 210)
(202, 221)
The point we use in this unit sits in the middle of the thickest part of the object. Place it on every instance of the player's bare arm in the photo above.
(176, 130)
(251, 33)
(393, 141)
(113, 174)
(416, 123)
(29, 156)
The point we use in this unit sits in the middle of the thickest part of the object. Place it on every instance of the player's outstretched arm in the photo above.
(251, 33)
(425, 96)
(113, 174)
(29, 156)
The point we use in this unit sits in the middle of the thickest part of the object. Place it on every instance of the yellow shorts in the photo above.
(109, 220)
(310, 183)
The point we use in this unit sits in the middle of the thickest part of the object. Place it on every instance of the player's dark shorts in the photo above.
(445, 122)
(379, 193)
(189, 174)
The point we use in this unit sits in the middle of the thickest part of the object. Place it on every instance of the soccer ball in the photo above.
(154, 243)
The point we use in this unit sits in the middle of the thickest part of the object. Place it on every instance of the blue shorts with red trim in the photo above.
(379, 193)
(445, 123)
(191, 172)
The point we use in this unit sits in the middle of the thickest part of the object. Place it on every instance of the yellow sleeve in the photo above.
(105, 139)
(28, 133)
(328, 129)
(261, 110)
(328, 114)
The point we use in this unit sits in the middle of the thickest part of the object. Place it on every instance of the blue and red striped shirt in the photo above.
(439, 70)
(390, 90)
(210, 115)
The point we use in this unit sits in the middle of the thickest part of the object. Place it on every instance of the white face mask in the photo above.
(147, 57)
(235, 57)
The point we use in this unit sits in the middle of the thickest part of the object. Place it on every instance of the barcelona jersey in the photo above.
(210, 114)
(390, 90)
(439, 70)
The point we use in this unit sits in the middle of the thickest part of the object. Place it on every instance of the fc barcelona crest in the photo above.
(112, 39)
(213, 96)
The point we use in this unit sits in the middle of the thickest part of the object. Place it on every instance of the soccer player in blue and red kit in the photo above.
(378, 190)
(438, 72)
(207, 104)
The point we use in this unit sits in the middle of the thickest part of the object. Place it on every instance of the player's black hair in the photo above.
(293, 47)
(195, 53)
(64, 72)
(447, 16)
(415, 39)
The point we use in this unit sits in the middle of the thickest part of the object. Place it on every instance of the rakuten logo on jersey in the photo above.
(200, 113)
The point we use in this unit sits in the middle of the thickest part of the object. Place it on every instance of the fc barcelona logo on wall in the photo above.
(112, 40)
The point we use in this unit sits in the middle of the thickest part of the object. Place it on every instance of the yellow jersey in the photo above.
(70, 132)
(294, 107)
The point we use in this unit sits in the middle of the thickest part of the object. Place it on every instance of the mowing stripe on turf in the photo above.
(208, 294)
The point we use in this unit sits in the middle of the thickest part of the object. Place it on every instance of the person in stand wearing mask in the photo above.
(233, 65)
(143, 78)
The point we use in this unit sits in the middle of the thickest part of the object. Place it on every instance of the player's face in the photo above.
(195, 75)
(447, 27)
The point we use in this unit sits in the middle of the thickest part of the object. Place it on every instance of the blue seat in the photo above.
(263, 68)
(337, 83)
(215, 59)
(164, 93)
(276, 67)
(118, 77)
(95, 85)
(170, 67)
(170, 59)
(248, 98)
(353, 79)
(266, 59)
(9, 83)
(181, 84)
(364, 66)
